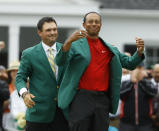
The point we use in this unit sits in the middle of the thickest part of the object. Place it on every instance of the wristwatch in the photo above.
(24, 94)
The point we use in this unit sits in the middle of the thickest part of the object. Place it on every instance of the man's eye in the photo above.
(90, 22)
(54, 29)
(97, 22)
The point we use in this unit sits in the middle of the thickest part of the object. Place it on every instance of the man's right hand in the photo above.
(75, 36)
(27, 97)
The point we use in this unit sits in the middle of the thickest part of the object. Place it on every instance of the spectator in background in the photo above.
(4, 92)
(155, 81)
(136, 107)
(3, 73)
(2, 45)
(8, 120)
(17, 106)
(12, 72)
(149, 71)
(4, 77)
(155, 75)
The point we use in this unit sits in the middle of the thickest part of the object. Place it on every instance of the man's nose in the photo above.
(94, 23)
(52, 31)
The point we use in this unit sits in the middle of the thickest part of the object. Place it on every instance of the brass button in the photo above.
(55, 99)
(57, 87)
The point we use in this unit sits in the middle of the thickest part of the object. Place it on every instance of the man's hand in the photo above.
(140, 45)
(27, 97)
(75, 36)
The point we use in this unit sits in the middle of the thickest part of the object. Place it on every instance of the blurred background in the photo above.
(122, 21)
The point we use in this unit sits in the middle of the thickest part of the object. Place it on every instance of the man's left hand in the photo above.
(140, 45)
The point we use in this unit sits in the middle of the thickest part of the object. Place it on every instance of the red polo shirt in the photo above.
(96, 76)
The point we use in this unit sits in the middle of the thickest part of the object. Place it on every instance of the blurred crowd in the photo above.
(139, 100)
(12, 107)
(138, 106)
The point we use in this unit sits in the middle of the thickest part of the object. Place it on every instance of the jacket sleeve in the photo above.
(24, 71)
(126, 88)
(63, 58)
(148, 87)
(130, 62)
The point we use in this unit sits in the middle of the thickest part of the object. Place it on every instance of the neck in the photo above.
(93, 37)
(13, 82)
(49, 44)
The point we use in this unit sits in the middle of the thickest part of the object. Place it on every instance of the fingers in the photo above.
(140, 44)
(32, 96)
(28, 100)
(77, 35)
(139, 41)
(82, 33)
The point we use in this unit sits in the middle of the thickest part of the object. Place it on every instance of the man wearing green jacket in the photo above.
(37, 64)
(91, 83)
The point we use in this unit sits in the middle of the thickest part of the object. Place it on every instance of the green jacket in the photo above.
(78, 59)
(42, 83)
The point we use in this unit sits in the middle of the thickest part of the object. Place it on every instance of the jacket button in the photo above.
(57, 87)
(55, 99)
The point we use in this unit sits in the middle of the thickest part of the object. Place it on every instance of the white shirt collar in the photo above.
(46, 47)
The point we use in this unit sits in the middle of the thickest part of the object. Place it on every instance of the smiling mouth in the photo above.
(94, 29)
(52, 37)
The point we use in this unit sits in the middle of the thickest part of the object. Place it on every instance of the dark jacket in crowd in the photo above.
(136, 107)
(4, 95)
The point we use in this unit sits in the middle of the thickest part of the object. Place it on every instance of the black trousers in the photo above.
(58, 124)
(89, 111)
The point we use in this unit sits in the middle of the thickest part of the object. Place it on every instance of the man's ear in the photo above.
(39, 32)
(84, 25)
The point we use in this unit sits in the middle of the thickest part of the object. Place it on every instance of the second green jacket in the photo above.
(42, 83)
(77, 60)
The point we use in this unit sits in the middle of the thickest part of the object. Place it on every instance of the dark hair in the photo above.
(93, 12)
(43, 20)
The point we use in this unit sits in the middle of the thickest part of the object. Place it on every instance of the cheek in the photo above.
(56, 33)
(88, 28)
(99, 27)
(13, 74)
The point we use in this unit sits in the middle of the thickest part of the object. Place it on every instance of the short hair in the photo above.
(43, 20)
(92, 12)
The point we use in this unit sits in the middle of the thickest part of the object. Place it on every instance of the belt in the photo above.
(93, 92)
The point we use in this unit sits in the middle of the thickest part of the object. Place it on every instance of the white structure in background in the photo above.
(119, 27)
(18, 13)
(122, 26)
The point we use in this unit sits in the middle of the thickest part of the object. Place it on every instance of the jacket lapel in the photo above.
(112, 50)
(85, 49)
(42, 56)
(109, 46)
